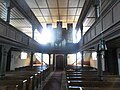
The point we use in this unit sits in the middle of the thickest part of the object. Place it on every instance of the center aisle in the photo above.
(54, 83)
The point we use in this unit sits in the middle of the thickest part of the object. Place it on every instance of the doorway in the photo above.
(59, 62)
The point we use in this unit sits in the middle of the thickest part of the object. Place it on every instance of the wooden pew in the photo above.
(92, 79)
(93, 88)
(35, 71)
(3, 87)
(40, 74)
(14, 84)
(9, 87)
(91, 75)
(95, 84)
(28, 76)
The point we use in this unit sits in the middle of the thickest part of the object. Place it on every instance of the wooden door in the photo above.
(59, 62)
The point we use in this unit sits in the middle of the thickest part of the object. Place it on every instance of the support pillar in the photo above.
(96, 13)
(3, 62)
(42, 60)
(53, 62)
(99, 63)
(8, 15)
(82, 59)
(31, 60)
(100, 53)
(33, 31)
(8, 7)
(49, 60)
(65, 61)
(96, 4)
(76, 61)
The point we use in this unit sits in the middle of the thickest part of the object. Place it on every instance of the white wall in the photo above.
(16, 60)
(93, 60)
(46, 59)
(71, 58)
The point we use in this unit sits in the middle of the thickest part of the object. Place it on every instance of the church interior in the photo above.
(59, 45)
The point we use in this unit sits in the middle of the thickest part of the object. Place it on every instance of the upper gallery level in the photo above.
(24, 22)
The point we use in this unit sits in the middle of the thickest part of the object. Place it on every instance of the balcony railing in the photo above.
(105, 25)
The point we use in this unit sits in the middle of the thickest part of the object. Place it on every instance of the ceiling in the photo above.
(51, 11)
(48, 11)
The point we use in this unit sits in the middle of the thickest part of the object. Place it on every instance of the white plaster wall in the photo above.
(93, 62)
(71, 58)
(46, 58)
(16, 60)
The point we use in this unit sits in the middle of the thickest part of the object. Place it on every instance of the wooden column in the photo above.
(3, 61)
(53, 62)
(82, 60)
(33, 30)
(42, 60)
(31, 60)
(49, 60)
(76, 61)
(65, 61)
(99, 63)
(8, 7)
(96, 4)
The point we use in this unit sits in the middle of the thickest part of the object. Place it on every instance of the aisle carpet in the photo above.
(54, 83)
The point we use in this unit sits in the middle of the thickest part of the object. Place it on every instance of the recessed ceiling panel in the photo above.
(85, 22)
(37, 12)
(20, 23)
(63, 18)
(63, 3)
(72, 11)
(3, 11)
(45, 12)
(31, 3)
(55, 19)
(42, 3)
(63, 11)
(88, 22)
(48, 19)
(73, 3)
(81, 3)
(79, 11)
(52, 3)
(41, 19)
(54, 12)
(70, 19)
(91, 12)
(76, 19)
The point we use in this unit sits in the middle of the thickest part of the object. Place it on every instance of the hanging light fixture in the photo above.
(102, 45)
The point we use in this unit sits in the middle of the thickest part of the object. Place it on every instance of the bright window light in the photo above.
(78, 35)
(79, 56)
(74, 36)
(44, 37)
(94, 55)
(23, 55)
